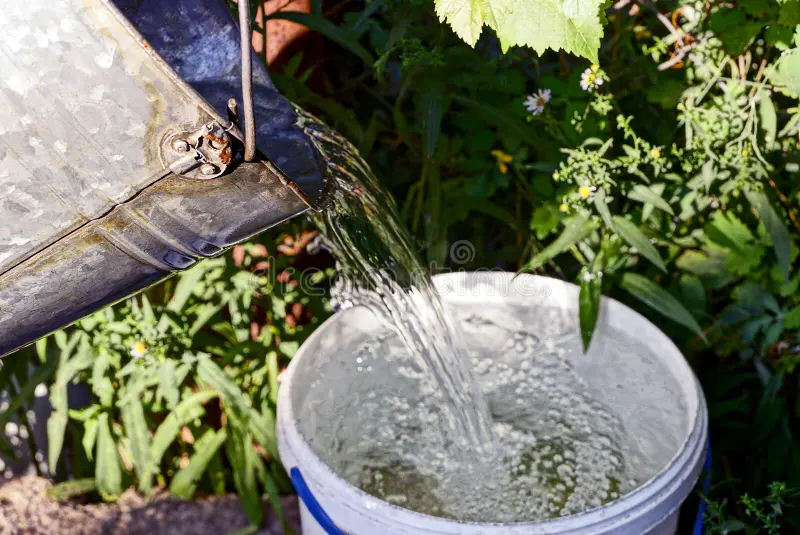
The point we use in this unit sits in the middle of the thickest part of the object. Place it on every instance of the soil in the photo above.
(25, 509)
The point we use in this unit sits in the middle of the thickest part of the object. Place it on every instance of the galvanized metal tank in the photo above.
(118, 162)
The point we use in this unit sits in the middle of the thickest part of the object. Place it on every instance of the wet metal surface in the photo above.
(90, 211)
(82, 112)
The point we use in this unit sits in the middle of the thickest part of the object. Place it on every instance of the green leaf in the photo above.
(272, 376)
(693, 294)
(107, 471)
(168, 383)
(602, 207)
(787, 72)
(734, 29)
(789, 14)
(187, 410)
(70, 489)
(243, 461)
(589, 301)
(636, 238)
(261, 425)
(187, 282)
(649, 195)
(89, 437)
(659, 300)
(56, 426)
(431, 104)
(320, 24)
(792, 318)
(575, 27)
(781, 240)
(767, 116)
(575, 230)
(545, 219)
(136, 430)
(184, 483)
(101, 385)
(271, 486)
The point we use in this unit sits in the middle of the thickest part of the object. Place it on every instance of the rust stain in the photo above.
(225, 155)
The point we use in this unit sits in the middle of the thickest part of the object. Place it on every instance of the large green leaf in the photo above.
(136, 430)
(629, 232)
(575, 230)
(787, 72)
(575, 26)
(781, 240)
(659, 300)
(184, 483)
(107, 471)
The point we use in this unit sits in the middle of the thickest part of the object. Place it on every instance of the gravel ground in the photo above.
(24, 509)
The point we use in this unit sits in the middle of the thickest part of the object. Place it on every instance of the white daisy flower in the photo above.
(590, 79)
(138, 350)
(536, 102)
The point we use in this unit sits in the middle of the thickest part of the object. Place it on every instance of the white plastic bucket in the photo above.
(651, 509)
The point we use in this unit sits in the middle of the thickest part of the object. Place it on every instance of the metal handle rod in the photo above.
(249, 117)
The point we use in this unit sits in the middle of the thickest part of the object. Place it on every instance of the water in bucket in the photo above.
(471, 415)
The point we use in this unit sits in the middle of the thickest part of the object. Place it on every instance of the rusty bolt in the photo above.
(180, 145)
(208, 169)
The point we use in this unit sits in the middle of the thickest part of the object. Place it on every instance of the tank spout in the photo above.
(119, 162)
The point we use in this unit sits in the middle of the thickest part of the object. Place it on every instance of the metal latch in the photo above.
(203, 154)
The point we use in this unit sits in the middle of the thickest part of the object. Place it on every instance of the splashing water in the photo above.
(460, 415)
(380, 269)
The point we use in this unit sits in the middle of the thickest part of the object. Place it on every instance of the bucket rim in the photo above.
(658, 494)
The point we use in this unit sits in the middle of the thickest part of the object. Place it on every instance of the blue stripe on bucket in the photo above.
(701, 508)
(313, 506)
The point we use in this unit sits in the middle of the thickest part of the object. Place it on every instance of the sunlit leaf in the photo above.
(575, 230)
(781, 240)
(629, 232)
(107, 467)
(649, 195)
(184, 483)
(659, 300)
(575, 27)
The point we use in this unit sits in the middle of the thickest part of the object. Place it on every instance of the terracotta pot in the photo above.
(284, 38)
